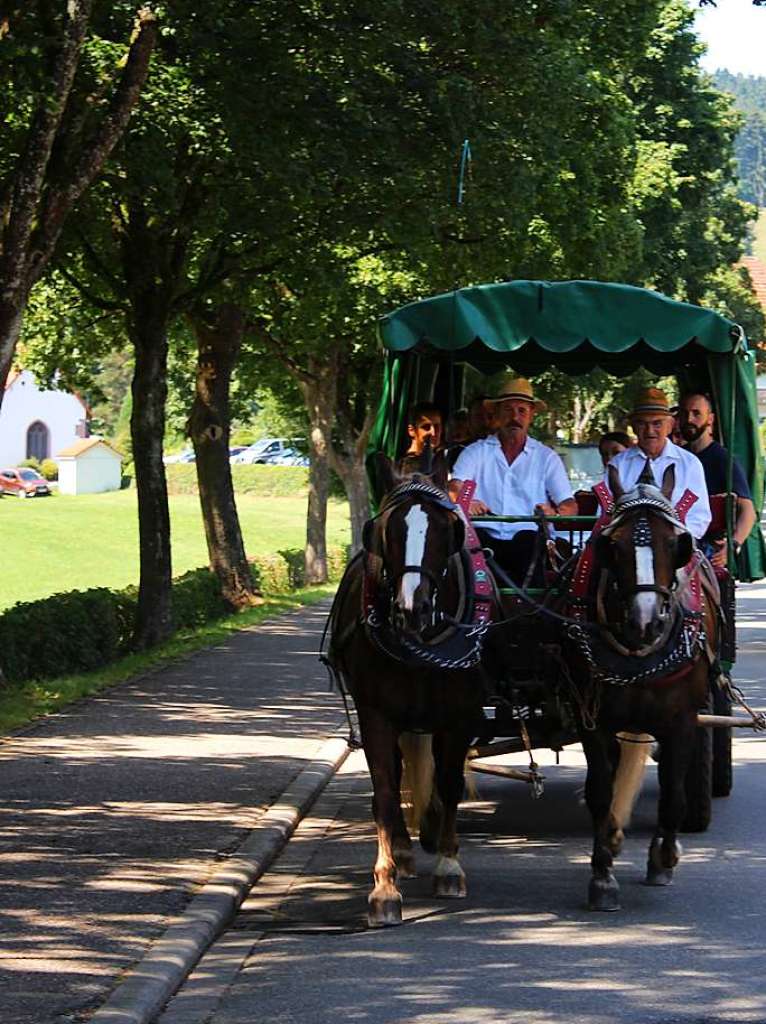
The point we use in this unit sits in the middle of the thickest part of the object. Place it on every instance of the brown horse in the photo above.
(404, 645)
(641, 665)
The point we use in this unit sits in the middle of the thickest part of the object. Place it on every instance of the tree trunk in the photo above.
(218, 346)
(147, 429)
(11, 315)
(350, 467)
(319, 390)
(354, 478)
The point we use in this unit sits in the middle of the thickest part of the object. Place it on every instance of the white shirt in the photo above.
(535, 476)
(689, 474)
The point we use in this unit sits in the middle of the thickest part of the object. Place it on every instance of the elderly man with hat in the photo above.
(515, 475)
(652, 422)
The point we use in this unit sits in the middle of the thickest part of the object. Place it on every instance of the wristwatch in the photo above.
(737, 548)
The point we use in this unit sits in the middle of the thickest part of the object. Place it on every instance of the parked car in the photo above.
(266, 450)
(185, 456)
(23, 482)
(287, 457)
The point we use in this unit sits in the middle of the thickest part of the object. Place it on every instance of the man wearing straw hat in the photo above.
(652, 422)
(515, 475)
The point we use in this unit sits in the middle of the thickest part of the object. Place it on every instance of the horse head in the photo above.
(410, 546)
(637, 556)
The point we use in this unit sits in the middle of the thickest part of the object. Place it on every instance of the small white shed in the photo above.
(88, 467)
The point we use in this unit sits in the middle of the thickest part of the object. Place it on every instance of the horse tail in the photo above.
(418, 772)
(634, 750)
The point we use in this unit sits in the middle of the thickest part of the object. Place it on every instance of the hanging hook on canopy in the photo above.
(465, 159)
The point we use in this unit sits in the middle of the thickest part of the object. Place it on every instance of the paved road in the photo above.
(522, 946)
(114, 812)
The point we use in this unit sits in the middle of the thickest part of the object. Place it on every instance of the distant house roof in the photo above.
(85, 445)
(757, 269)
(14, 375)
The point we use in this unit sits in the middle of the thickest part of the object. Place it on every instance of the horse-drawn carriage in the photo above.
(442, 646)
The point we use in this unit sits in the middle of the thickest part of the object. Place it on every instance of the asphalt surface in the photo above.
(522, 946)
(116, 811)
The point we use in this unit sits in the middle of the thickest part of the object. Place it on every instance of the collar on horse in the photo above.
(459, 644)
(685, 638)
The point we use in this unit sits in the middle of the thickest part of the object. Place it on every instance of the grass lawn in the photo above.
(72, 543)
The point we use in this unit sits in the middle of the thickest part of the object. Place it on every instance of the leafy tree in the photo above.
(67, 105)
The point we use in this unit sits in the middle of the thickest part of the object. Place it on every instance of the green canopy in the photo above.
(560, 319)
(574, 326)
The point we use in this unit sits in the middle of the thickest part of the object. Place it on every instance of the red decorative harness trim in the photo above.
(482, 584)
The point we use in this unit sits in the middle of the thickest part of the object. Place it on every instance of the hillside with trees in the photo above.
(749, 92)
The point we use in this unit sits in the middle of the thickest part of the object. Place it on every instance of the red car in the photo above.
(24, 482)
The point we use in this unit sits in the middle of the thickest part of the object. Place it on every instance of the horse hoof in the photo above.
(450, 887)
(383, 913)
(658, 876)
(604, 895)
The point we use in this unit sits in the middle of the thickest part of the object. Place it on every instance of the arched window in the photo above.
(38, 440)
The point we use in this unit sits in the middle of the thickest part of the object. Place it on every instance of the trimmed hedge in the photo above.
(83, 630)
(264, 481)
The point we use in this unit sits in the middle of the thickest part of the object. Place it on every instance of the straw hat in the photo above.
(507, 386)
(651, 400)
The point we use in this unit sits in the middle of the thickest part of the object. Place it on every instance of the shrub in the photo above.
(271, 574)
(65, 633)
(296, 567)
(264, 481)
(49, 469)
(197, 599)
(32, 463)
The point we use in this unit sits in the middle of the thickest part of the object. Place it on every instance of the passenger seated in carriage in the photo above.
(612, 443)
(424, 426)
(652, 421)
(514, 475)
(697, 422)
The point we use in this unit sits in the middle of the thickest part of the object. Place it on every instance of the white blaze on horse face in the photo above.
(646, 604)
(415, 549)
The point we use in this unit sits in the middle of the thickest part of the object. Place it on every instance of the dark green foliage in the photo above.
(66, 633)
(197, 599)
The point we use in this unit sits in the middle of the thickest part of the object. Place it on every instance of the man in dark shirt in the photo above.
(697, 421)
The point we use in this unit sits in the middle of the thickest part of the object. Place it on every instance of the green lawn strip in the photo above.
(75, 543)
(32, 700)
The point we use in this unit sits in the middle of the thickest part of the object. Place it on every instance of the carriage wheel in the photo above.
(699, 784)
(723, 775)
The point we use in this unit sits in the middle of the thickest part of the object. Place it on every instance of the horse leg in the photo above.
(675, 757)
(380, 747)
(628, 778)
(603, 891)
(449, 754)
(404, 857)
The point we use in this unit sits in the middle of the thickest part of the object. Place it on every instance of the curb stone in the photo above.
(171, 958)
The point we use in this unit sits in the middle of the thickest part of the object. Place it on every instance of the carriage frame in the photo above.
(575, 326)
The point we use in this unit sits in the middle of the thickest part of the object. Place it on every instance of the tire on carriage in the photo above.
(429, 635)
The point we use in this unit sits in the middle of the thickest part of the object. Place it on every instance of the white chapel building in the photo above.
(35, 423)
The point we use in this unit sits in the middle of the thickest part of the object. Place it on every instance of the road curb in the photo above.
(171, 958)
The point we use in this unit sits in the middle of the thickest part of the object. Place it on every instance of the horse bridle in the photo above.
(625, 509)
